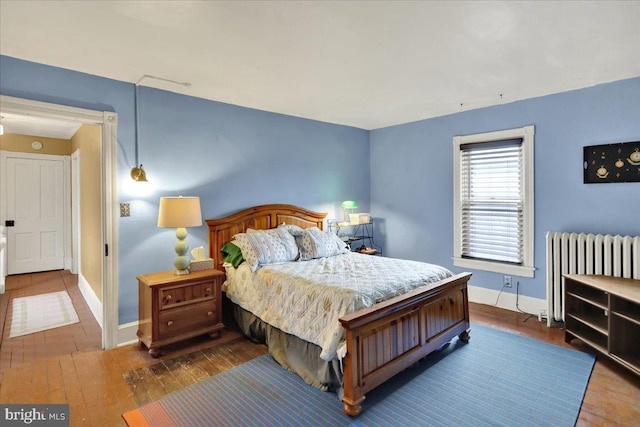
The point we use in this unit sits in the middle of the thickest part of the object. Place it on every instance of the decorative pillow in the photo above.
(315, 243)
(293, 229)
(232, 254)
(264, 247)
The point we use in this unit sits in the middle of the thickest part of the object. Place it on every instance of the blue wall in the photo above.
(232, 157)
(235, 157)
(412, 174)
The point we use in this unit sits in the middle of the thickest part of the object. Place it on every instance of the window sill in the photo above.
(496, 267)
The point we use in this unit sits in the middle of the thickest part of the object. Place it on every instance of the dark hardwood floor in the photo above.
(101, 385)
(29, 349)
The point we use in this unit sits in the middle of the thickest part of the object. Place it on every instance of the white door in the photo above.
(35, 205)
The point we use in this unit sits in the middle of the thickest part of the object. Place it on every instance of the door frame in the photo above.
(108, 121)
(66, 195)
(75, 213)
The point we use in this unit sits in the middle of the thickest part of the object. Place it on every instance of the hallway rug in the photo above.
(41, 312)
(497, 379)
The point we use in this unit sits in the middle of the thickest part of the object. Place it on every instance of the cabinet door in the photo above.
(444, 313)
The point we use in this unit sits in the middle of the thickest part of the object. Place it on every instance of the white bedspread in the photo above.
(307, 298)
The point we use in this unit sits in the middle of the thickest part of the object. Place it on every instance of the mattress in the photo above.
(306, 298)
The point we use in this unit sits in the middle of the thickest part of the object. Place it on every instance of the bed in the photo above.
(378, 341)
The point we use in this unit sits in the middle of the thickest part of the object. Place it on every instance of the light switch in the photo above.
(124, 209)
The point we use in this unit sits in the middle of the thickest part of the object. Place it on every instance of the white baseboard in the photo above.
(127, 334)
(94, 303)
(506, 300)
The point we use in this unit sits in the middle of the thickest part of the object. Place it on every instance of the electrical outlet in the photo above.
(506, 281)
(542, 315)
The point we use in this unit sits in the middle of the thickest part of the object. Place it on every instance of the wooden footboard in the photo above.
(390, 336)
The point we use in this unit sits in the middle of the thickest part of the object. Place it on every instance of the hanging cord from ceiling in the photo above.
(137, 173)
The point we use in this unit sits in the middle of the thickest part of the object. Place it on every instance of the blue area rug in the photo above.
(497, 379)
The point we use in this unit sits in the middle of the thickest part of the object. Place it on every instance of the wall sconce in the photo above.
(348, 204)
(180, 213)
(138, 174)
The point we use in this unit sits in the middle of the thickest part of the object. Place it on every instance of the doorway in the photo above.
(108, 315)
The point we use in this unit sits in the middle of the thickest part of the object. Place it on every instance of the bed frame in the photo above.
(384, 339)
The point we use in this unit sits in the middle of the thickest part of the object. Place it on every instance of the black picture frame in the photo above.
(610, 163)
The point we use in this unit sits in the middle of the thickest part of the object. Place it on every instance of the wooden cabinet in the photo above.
(604, 312)
(173, 308)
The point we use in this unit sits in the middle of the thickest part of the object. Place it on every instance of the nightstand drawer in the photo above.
(189, 318)
(170, 297)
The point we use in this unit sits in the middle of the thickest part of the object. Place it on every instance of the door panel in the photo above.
(35, 201)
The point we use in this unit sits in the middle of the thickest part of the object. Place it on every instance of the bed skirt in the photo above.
(291, 352)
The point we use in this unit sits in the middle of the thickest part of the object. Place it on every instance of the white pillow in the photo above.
(264, 247)
(295, 230)
(315, 243)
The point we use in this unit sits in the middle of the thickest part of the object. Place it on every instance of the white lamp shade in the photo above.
(179, 212)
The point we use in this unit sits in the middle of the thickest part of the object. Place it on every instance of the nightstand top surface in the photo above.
(164, 277)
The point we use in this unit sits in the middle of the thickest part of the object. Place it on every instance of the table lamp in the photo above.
(180, 213)
(348, 204)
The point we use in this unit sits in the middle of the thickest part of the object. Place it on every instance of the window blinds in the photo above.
(492, 201)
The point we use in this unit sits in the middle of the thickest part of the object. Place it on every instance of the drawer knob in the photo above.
(170, 322)
(207, 289)
(210, 313)
(167, 298)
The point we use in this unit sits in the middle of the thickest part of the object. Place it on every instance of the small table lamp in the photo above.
(348, 204)
(180, 212)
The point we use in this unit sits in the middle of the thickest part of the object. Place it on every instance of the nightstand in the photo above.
(173, 308)
(351, 233)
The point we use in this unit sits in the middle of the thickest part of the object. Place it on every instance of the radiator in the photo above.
(581, 253)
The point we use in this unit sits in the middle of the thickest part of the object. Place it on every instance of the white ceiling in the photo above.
(367, 64)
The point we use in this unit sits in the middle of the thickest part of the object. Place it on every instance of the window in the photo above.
(493, 201)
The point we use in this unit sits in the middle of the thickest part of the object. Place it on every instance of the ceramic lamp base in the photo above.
(182, 261)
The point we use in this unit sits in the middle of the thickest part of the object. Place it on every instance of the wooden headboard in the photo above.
(263, 217)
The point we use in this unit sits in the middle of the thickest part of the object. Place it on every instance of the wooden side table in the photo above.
(604, 312)
(173, 308)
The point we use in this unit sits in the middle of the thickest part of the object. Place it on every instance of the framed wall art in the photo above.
(612, 163)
